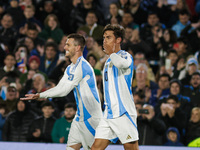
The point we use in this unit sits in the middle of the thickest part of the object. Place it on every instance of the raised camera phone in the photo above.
(167, 64)
(143, 111)
(22, 53)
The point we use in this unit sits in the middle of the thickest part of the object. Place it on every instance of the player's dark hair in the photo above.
(78, 40)
(117, 29)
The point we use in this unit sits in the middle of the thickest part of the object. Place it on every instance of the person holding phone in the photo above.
(150, 128)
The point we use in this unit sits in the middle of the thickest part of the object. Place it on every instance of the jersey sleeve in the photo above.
(123, 61)
(65, 85)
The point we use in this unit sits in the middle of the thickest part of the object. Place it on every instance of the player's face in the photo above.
(70, 48)
(109, 40)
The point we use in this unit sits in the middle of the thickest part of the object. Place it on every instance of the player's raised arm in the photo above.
(123, 61)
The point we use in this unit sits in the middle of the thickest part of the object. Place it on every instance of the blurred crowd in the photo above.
(163, 36)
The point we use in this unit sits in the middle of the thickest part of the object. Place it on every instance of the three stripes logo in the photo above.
(128, 137)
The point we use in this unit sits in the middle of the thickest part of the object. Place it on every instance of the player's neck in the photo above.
(75, 57)
(117, 49)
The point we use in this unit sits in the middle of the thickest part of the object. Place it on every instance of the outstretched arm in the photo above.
(62, 89)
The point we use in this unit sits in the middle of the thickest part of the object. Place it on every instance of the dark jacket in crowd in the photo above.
(45, 125)
(178, 121)
(17, 124)
(192, 132)
(193, 94)
(150, 132)
(8, 37)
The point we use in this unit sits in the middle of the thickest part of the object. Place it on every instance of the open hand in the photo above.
(31, 97)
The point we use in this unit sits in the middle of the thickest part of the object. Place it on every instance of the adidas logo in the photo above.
(128, 137)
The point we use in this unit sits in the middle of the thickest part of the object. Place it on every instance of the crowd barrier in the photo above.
(50, 146)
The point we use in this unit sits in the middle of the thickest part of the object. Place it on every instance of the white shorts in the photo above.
(83, 132)
(123, 127)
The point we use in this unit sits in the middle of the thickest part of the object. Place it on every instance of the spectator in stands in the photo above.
(62, 44)
(139, 15)
(167, 38)
(89, 46)
(150, 128)
(128, 21)
(79, 13)
(33, 63)
(183, 101)
(62, 126)
(155, 44)
(183, 48)
(113, 12)
(17, 123)
(139, 97)
(172, 115)
(193, 37)
(98, 49)
(38, 85)
(139, 57)
(49, 60)
(92, 28)
(141, 82)
(183, 22)
(41, 128)
(123, 6)
(47, 7)
(11, 98)
(9, 66)
(173, 59)
(152, 20)
(173, 137)
(191, 67)
(32, 32)
(31, 46)
(29, 13)
(15, 11)
(193, 90)
(8, 34)
(169, 12)
(51, 29)
(21, 56)
(163, 89)
(193, 126)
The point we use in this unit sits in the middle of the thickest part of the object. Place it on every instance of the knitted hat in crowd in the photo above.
(34, 58)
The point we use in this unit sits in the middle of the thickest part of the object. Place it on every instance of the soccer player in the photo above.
(120, 113)
(80, 77)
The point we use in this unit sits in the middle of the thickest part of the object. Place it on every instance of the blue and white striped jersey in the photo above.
(81, 79)
(117, 79)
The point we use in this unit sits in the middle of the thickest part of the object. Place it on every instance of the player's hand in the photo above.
(109, 49)
(31, 97)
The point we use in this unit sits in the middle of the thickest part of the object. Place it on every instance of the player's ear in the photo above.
(119, 40)
(78, 48)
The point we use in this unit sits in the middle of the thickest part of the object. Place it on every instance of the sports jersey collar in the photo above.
(119, 52)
